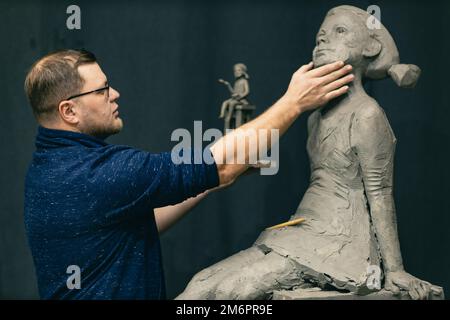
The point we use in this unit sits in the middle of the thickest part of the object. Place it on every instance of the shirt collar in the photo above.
(54, 138)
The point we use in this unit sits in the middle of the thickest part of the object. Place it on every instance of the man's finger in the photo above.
(339, 83)
(336, 93)
(305, 68)
(336, 74)
(326, 69)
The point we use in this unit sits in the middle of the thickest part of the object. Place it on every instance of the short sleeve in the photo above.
(128, 177)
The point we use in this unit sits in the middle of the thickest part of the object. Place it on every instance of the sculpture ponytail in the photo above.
(405, 75)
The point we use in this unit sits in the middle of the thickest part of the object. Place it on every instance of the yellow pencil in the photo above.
(289, 223)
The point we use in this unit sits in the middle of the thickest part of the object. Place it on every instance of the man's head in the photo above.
(56, 86)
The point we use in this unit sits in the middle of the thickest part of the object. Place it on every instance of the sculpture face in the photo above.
(238, 72)
(342, 36)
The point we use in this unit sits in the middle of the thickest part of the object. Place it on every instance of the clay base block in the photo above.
(319, 294)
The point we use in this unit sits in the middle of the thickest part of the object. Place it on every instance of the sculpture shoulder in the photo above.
(369, 117)
(370, 124)
(369, 109)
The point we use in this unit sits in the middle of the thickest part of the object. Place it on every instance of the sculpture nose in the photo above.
(321, 38)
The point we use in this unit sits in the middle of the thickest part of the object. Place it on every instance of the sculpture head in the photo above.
(240, 70)
(344, 35)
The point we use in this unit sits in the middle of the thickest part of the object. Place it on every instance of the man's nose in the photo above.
(114, 94)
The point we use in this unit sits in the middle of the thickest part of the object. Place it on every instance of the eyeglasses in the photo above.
(89, 92)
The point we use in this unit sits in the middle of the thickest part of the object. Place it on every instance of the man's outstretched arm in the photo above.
(307, 90)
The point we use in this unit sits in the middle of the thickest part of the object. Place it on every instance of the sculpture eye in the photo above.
(341, 30)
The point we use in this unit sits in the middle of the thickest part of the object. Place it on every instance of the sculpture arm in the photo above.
(229, 87)
(374, 143)
(227, 84)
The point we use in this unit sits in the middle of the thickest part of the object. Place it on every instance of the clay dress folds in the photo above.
(351, 156)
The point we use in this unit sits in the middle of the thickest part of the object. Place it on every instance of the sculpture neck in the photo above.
(356, 88)
(355, 92)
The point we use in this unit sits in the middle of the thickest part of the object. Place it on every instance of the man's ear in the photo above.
(372, 49)
(67, 113)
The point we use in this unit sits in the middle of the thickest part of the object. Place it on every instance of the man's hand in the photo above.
(310, 88)
(417, 289)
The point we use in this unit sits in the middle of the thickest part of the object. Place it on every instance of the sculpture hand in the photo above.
(223, 81)
(416, 288)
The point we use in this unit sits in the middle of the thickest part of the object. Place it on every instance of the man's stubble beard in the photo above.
(103, 132)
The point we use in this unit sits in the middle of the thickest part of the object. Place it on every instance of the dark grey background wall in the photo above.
(165, 57)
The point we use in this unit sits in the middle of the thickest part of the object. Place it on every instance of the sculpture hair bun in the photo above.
(405, 75)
